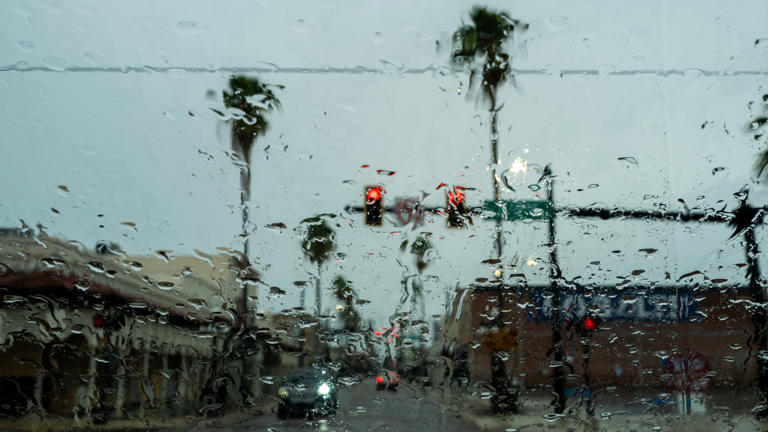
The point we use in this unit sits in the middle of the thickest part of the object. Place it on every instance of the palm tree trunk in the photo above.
(245, 198)
(318, 303)
(494, 162)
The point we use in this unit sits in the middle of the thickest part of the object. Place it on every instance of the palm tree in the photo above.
(758, 127)
(346, 295)
(480, 46)
(420, 248)
(484, 40)
(318, 244)
(251, 99)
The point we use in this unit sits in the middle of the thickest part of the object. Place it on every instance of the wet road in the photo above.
(363, 408)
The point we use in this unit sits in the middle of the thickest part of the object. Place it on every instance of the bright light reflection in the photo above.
(519, 166)
(531, 262)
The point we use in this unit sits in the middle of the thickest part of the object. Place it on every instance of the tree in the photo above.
(318, 244)
(346, 295)
(251, 100)
(420, 249)
(480, 46)
(484, 40)
(758, 127)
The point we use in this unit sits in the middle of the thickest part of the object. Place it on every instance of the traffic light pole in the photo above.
(755, 286)
(555, 320)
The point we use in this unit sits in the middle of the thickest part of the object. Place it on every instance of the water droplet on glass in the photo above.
(629, 159)
(557, 23)
(187, 28)
(26, 46)
(301, 27)
(82, 285)
(605, 70)
(55, 63)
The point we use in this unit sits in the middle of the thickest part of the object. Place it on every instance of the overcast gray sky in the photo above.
(109, 100)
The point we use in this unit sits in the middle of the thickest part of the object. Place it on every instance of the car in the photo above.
(387, 379)
(307, 392)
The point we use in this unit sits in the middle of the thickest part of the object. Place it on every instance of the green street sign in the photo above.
(517, 210)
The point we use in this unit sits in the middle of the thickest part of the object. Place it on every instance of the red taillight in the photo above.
(589, 323)
(98, 322)
(379, 379)
(398, 377)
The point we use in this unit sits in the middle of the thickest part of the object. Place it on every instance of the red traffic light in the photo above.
(374, 205)
(373, 194)
(589, 324)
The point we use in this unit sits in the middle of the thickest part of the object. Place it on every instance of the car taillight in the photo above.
(98, 321)
(379, 379)
(398, 377)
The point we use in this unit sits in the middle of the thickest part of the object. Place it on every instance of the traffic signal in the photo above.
(588, 325)
(374, 208)
(456, 208)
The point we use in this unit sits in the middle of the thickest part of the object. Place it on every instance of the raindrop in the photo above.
(301, 27)
(534, 187)
(553, 417)
(26, 46)
(593, 186)
(557, 23)
(82, 285)
(267, 379)
(57, 64)
(630, 159)
(605, 70)
(12, 299)
(165, 286)
(692, 72)
(96, 267)
(378, 38)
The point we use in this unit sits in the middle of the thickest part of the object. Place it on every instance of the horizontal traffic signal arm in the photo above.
(599, 212)
(571, 288)
(606, 213)
(436, 210)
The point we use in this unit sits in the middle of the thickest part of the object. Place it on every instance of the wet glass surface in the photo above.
(383, 216)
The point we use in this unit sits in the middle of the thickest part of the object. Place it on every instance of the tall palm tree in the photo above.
(480, 46)
(252, 100)
(745, 217)
(420, 248)
(346, 295)
(758, 127)
(318, 244)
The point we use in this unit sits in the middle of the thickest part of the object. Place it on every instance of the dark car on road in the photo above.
(308, 391)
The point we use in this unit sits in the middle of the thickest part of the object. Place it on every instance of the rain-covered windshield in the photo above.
(472, 216)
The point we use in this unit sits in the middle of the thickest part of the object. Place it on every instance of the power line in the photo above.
(690, 72)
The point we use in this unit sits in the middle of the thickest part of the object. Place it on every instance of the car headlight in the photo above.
(283, 393)
(324, 389)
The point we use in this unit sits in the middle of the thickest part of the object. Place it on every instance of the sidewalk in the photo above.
(532, 417)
